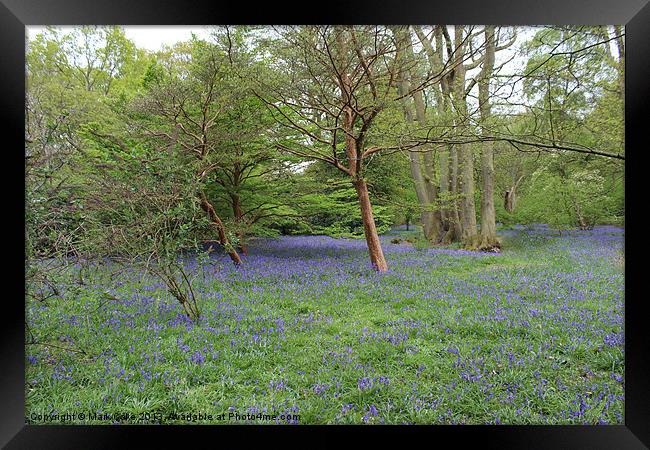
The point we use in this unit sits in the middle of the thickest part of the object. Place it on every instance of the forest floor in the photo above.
(306, 331)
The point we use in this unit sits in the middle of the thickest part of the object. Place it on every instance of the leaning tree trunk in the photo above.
(620, 68)
(216, 221)
(424, 200)
(354, 153)
(369, 227)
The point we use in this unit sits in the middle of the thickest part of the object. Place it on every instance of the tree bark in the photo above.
(369, 227)
(223, 239)
(467, 190)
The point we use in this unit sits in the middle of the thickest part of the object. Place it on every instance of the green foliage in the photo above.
(336, 213)
(583, 198)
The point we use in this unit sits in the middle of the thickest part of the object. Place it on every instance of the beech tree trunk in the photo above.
(428, 166)
(489, 240)
(422, 168)
(369, 227)
(450, 187)
(415, 163)
(223, 239)
(620, 44)
(451, 219)
(467, 189)
(466, 159)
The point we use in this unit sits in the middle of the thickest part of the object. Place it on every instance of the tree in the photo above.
(247, 166)
(422, 169)
(489, 239)
(141, 211)
(338, 79)
(182, 109)
(72, 79)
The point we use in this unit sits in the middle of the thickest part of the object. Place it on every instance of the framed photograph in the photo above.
(392, 219)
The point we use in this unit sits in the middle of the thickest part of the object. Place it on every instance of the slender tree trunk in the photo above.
(223, 239)
(423, 194)
(446, 212)
(454, 188)
(419, 182)
(426, 193)
(620, 44)
(369, 227)
(452, 219)
(427, 216)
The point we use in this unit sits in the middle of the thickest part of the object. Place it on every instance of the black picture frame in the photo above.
(15, 15)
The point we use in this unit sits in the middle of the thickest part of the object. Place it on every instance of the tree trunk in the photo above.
(467, 189)
(425, 191)
(620, 67)
(428, 166)
(449, 215)
(354, 154)
(429, 226)
(509, 200)
(456, 218)
(489, 240)
(369, 227)
(466, 160)
(223, 239)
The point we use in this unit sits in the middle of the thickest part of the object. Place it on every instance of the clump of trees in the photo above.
(340, 130)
